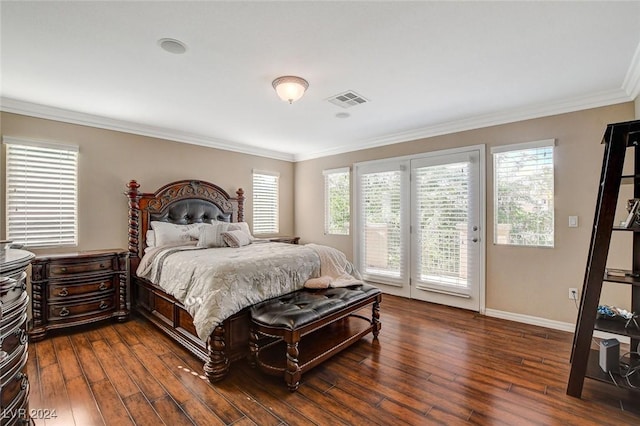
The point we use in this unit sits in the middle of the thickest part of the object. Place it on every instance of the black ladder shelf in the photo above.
(618, 139)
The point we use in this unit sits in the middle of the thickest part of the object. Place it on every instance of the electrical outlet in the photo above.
(573, 294)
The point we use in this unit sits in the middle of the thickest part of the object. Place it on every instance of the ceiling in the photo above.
(426, 68)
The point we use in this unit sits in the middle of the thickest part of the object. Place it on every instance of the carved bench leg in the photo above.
(292, 374)
(375, 318)
(218, 364)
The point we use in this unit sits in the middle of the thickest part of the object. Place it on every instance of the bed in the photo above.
(188, 204)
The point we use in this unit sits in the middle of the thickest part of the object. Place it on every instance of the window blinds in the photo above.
(441, 198)
(265, 203)
(382, 226)
(336, 199)
(523, 194)
(41, 191)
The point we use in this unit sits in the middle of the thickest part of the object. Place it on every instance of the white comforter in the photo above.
(215, 283)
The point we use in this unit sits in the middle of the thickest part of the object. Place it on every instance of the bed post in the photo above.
(240, 194)
(134, 223)
(217, 365)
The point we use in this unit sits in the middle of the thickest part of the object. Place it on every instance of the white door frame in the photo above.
(405, 291)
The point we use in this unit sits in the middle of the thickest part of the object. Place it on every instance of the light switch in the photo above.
(573, 221)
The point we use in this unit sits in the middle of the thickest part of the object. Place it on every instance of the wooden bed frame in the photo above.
(182, 202)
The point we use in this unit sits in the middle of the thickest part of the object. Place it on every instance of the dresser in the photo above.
(14, 398)
(78, 288)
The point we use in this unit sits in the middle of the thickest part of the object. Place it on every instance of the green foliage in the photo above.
(524, 196)
(338, 198)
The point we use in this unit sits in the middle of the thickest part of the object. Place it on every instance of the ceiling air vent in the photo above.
(347, 99)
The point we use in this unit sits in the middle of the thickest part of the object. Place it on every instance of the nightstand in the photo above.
(78, 288)
(290, 240)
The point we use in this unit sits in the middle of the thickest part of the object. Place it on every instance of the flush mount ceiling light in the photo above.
(172, 45)
(290, 88)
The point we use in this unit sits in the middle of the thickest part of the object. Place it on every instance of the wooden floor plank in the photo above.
(200, 413)
(170, 412)
(54, 395)
(46, 353)
(67, 357)
(83, 404)
(158, 369)
(226, 411)
(84, 351)
(141, 411)
(112, 366)
(431, 365)
(115, 412)
(138, 373)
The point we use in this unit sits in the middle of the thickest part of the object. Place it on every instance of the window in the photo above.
(41, 188)
(336, 201)
(265, 202)
(523, 194)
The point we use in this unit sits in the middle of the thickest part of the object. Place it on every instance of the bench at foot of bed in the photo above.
(327, 320)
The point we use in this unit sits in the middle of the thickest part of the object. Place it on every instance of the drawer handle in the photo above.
(104, 305)
(64, 311)
(63, 269)
(63, 292)
(103, 286)
(102, 265)
(22, 335)
(24, 380)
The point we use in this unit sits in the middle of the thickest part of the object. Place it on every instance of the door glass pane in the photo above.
(380, 212)
(442, 205)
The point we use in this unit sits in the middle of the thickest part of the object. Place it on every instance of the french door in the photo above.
(420, 226)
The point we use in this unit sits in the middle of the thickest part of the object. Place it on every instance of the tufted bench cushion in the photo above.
(329, 317)
(302, 307)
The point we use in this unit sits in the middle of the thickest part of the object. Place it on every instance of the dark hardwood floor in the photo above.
(431, 365)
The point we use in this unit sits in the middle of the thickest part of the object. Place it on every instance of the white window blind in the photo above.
(265, 202)
(523, 194)
(382, 228)
(336, 201)
(41, 191)
(441, 196)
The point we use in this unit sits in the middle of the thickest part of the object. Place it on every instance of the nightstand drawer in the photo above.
(14, 336)
(60, 269)
(64, 311)
(71, 290)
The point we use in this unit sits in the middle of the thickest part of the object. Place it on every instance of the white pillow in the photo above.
(169, 233)
(237, 238)
(211, 235)
(151, 238)
(242, 226)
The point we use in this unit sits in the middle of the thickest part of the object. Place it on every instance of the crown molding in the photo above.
(595, 100)
(67, 116)
(625, 94)
(631, 83)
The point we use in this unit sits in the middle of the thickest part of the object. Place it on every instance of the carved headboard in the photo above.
(181, 202)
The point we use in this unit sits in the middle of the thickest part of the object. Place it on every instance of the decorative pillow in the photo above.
(211, 235)
(169, 233)
(237, 238)
(242, 226)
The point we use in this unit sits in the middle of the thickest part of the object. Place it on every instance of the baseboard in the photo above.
(544, 322)
(528, 319)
